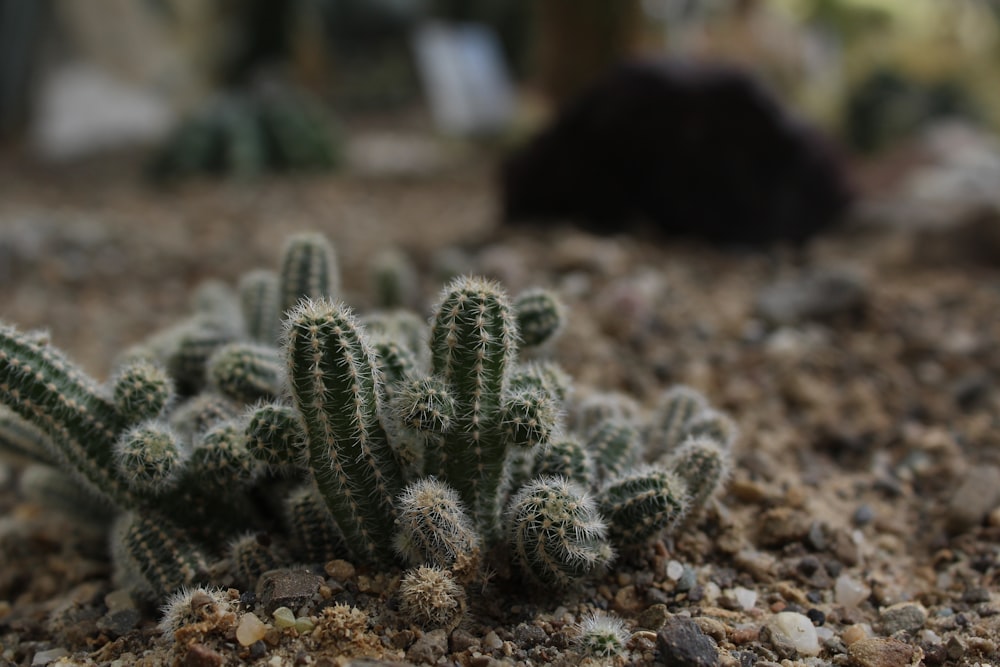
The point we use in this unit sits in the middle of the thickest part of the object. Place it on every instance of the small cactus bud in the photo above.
(190, 606)
(274, 435)
(395, 362)
(601, 635)
(424, 404)
(150, 457)
(528, 418)
(221, 458)
(542, 376)
(704, 465)
(668, 423)
(141, 391)
(540, 316)
(435, 528)
(556, 533)
(188, 362)
(430, 598)
(200, 413)
(714, 425)
(246, 372)
(565, 457)
(599, 407)
(641, 503)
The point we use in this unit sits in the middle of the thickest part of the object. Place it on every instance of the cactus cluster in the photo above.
(245, 134)
(299, 432)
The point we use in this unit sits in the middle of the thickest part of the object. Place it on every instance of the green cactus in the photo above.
(259, 304)
(703, 463)
(309, 270)
(246, 372)
(393, 278)
(142, 391)
(435, 528)
(20, 439)
(429, 597)
(601, 635)
(615, 447)
(641, 504)
(335, 384)
(668, 424)
(150, 457)
(252, 555)
(566, 457)
(274, 435)
(713, 425)
(540, 316)
(313, 532)
(556, 533)
(164, 555)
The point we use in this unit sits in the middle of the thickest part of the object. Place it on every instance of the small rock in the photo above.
(863, 515)
(429, 648)
(848, 592)
(250, 629)
(905, 616)
(854, 633)
(881, 652)
(286, 588)
(975, 497)
(43, 658)
(462, 641)
(686, 581)
(653, 617)
(527, 635)
(674, 570)
(791, 633)
(745, 598)
(199, 655)
(339, 569)
(682, 644)
(820, 295)
(284, 617)
(782, 525)
(955, 648)
(491, 641)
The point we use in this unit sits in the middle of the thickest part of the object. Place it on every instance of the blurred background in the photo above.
(163, 140)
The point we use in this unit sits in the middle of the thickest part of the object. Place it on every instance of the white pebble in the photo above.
(745, 598)
(849, 592)
(674, 570)
(798, 630)
(712, 592)
(250, 629)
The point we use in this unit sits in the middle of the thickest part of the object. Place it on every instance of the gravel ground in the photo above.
(861, 525)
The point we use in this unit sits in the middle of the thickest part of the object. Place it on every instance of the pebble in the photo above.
(903, 617)
(284, 617)
(250, 629)
(429, 648)
(653, 617)
(792, 632)
(863, 515)
(976, 496)
(339, 569)
(881, 652)
(674, 570)
(683, 644)
(491, 641)
(849, 592)
(687, 580)
(855, 633)
(745, 597)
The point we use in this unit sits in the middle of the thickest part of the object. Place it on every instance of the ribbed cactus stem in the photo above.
(312, 529)
(713, 425)
(528, 418)
(159, 551)
(41, 386)
(258, 292)
(565, 457)
(246, 372)
(435, 528)
(21, 439)
(556, 533)
(641, 504)
(335, 383)
(472, 346)
(309, 270)
(395, 361)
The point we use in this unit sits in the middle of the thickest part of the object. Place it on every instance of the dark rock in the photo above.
(682, 644)
(119, 622)
(701, 150)
(527, 635)
(863, 515)
(287, 588)
(429, 648)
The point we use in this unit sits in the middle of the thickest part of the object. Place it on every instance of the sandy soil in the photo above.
(865, 489)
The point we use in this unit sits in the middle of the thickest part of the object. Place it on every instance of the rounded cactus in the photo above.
(150, 457)
(703, 463)
(142, 391)
(668, 423)
(430, 598)
(246, 372)
(642, 503)
(540, 316)
(601, 635)
(435, 528)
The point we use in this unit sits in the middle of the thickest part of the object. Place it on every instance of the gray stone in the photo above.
(43, 658)
(975, 497)
(683, 644)
(287, 588)
(429, 648)
(905, 616)
(118, 623)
